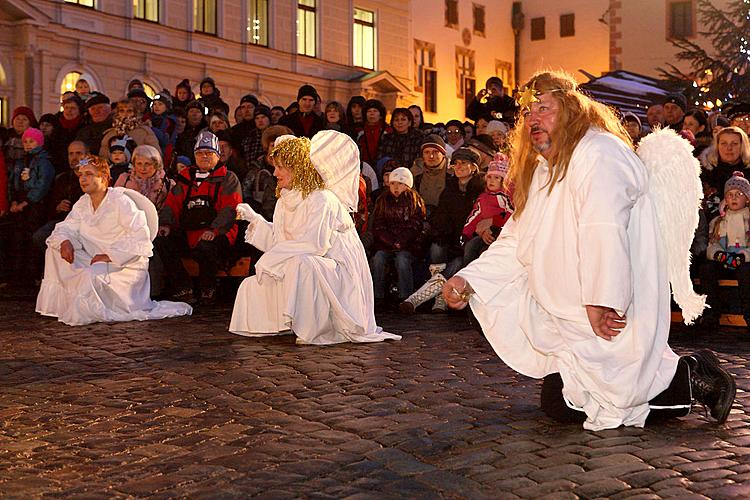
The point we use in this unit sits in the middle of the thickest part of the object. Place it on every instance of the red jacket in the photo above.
(496, 206)
(227, 199)
(3, 184)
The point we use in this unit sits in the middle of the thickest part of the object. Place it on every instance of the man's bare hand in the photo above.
(488, 237)
(456, 292)
(605, 322)
(63, 206)
(67, 252)
(482, 226)
(100, 257)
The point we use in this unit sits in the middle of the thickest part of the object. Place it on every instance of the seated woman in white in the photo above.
(313, 279)
(96, 265)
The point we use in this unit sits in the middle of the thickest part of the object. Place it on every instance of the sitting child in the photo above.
(491, 211)
(119, 157)
(397, 224)
(728, 248)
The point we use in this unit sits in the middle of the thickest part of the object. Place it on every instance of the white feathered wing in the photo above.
(674, 181)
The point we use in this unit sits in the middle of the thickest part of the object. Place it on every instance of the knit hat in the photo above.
(307, 90)
(433, 141)
(38, 136)
(184, 160)
(134, 83)
(496, 126)
(121, 144)
(402, 175)
(676, 98)
(96, 98)
(27, 112)
(499, 164)
(737, 181)
(207, 140)
(164, 98)
(49, 118)
(197, 105)
(465, 154)
(631, 117)
(262, 109)
(249, 98)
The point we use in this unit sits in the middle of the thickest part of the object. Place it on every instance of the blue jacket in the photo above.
(41, 177)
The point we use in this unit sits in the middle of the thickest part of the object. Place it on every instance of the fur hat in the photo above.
(402, 175)
(307, 90)
(737, 181)
(38, 136)
(96, 98)
(499, 164)
(207, 140)
(433, 141)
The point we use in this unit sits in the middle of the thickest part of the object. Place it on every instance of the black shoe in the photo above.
(208, 296)
(406, 307)
(184, 295)
(711, 385)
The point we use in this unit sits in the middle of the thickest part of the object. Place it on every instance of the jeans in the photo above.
(473, 249)
(403, 261)
(440, 254)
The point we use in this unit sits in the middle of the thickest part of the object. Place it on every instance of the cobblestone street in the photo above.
(183, 408)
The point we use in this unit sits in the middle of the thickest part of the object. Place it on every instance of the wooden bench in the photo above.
(241, 268)
(725, 319)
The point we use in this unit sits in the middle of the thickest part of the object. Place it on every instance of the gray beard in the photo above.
(541, 148)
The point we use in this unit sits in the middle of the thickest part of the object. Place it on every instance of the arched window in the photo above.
(150, 92)
(70, 79)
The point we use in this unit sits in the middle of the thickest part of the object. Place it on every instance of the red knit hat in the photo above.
(27, 112)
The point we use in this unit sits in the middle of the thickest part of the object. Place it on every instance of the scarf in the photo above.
(123, 125)
(432, 183)
(151, 188)
(734, 225)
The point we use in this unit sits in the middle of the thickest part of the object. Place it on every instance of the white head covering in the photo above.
(336, 158)
(402, 175)
(283, 138)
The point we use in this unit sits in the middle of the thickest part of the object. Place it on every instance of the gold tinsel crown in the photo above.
(294, 154)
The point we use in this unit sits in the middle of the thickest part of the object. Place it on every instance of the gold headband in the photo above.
(529, 94)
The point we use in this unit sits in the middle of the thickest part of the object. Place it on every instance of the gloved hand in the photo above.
(729, 260)
(246, 212)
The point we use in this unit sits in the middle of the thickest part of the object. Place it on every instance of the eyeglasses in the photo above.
(204, 153)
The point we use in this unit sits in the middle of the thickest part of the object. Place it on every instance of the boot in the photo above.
(711, 385)
(432, 288)
(440, 306)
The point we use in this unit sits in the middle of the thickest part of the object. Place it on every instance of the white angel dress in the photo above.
(81, 293)
(313, 279)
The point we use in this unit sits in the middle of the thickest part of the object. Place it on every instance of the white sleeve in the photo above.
(604, 194)
(314, 240)
(134, 240)
(68, 229)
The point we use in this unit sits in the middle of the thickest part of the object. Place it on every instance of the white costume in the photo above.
(81, 293)
(313, 278)
(594, 240)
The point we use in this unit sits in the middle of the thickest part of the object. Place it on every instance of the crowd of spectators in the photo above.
(432, 197)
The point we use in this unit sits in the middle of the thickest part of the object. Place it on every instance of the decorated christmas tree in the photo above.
(720, 71)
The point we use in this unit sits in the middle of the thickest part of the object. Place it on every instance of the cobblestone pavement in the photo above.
(180, 407)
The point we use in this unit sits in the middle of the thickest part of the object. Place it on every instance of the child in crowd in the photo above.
(119, 157)
(29, 180)
(728, 248)
(397, 224)
(163, 122)
(491, 211)
(83, 89)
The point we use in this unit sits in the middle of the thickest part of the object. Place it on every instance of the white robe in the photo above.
(81, 293)
(592, 241)
(313, 278)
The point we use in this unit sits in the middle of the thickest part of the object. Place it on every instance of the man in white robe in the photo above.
(313, 279)
(575, 289)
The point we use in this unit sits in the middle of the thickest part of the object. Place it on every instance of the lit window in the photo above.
(257, 22)
(69, 82)
(83, 3)
(681, 19)
(306, 27)
(4, 111)
(147, 10)
(204, 16)
(478, 19)
(364, 38)
(149, 90)
(537, 29)
(567, 25)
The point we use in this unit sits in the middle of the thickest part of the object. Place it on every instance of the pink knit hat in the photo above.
(35, 134)
(499, 164)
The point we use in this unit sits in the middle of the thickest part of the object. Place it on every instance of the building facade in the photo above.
(435, 53)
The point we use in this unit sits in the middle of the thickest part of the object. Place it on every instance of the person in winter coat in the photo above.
(147, 176)
(373, 131)
(198, 219)
(195, 122)
(127, 122)
(731, 153)
(404, 144)
(397, 225)
(99, 122)
(71, 121)
(21, 119)
(430, 171)
(183, 95)
(305, 123)
(210, 96)
(29, 181)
